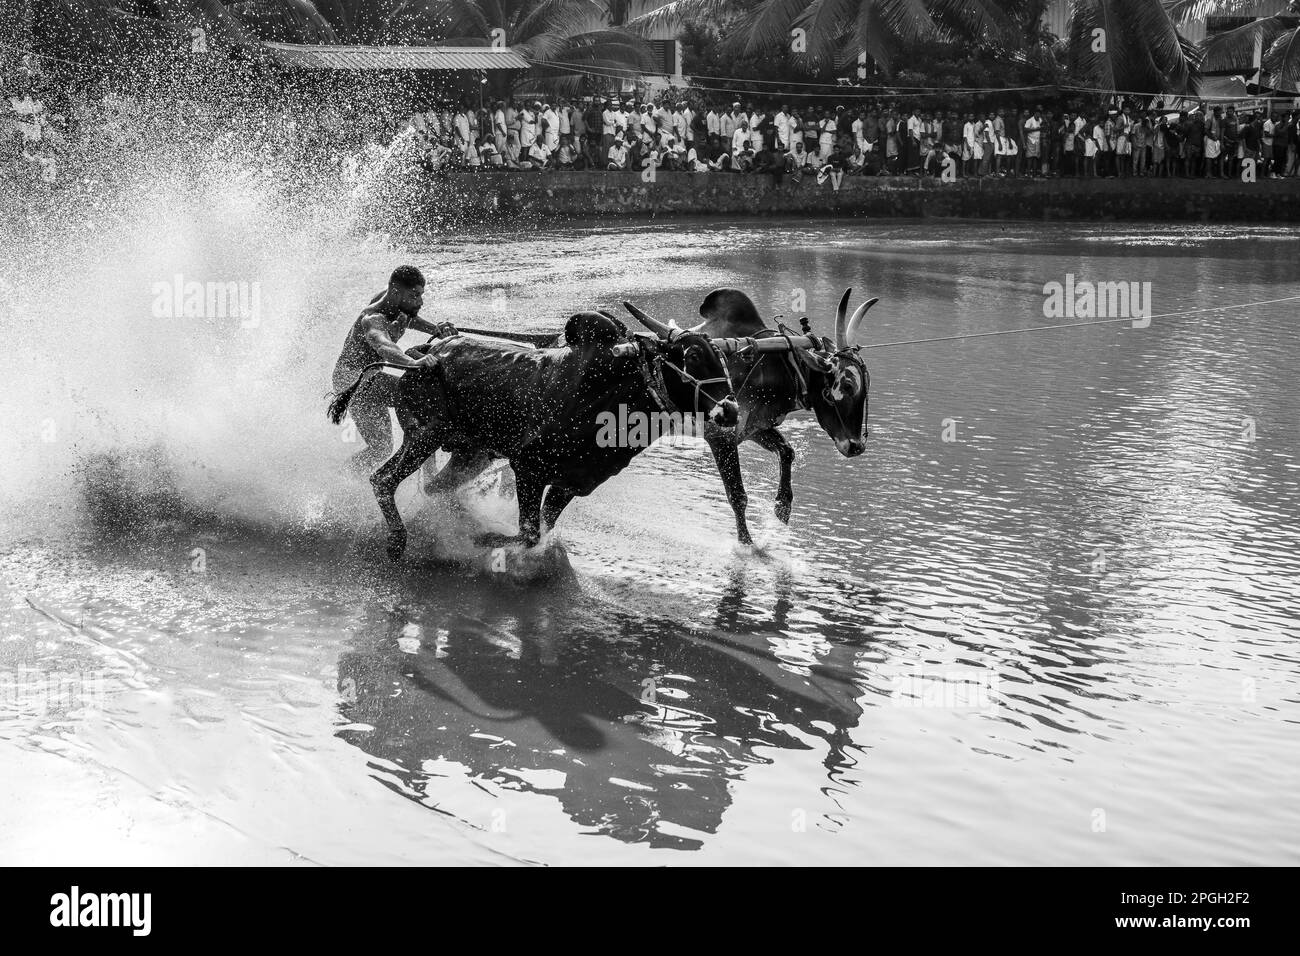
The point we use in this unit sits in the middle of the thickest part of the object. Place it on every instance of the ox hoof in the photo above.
(782, 510)
(396, 545)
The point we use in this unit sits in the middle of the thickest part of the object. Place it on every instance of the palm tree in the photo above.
(836, 31)
(555, 35)
(1130, 45)
(1277, 37)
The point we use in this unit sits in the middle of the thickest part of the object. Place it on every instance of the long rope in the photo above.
(1075, 325)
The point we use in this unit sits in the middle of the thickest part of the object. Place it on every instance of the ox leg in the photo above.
(557, 499)
(773, 440)
(417, 446)
(528, 490)
(723, 445)
(462, 467)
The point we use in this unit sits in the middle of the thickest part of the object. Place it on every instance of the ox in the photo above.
(830, 381)
(540, 409)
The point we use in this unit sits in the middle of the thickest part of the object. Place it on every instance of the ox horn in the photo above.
(654, 325)
(840, 315)
(859, 314)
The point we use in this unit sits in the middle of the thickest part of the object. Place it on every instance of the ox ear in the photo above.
(654, 325)
(858, 315)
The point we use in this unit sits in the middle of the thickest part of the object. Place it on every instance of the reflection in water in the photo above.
(639, 728)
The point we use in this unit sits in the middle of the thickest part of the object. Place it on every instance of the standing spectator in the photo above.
(1034, 141)
(1194, 144)
(1141, 144)
(513, 123)
(1231, 144)
(499, 126)
(740, 137)
(528, 126)
(783, 123)
(1267, 137)
(713, 122)
(549, 124)
(827, 127)
(608, 129)
(1123, 148)
(970, 146)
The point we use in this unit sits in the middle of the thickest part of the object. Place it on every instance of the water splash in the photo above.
(126, 357)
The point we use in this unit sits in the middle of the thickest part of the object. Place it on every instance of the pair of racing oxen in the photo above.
(539, 408)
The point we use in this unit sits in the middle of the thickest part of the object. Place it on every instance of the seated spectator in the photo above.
(489, 154)
(616, 159)
(569, 156)
(539, 155)
(766, 160)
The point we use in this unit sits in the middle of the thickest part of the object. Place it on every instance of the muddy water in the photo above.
(1049, 617)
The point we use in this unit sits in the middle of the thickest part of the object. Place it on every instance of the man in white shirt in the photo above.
(729, 121)
(528, 126)
(740, 137)
(617, 156)
(499, 126)
(608, 127)
(461, 121)
(539, 153)
(688, 124)
(551, 128)
(713, 122)
(782, 123)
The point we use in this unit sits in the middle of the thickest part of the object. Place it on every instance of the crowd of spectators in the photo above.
(868, 138)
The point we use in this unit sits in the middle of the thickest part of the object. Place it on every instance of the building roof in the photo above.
(332, 57)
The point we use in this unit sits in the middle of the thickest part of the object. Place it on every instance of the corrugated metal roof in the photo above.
(332, 57)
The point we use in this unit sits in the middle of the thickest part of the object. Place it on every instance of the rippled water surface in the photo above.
(1067, 635)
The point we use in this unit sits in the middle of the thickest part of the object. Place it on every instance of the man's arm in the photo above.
(378, 338)
(443, 330)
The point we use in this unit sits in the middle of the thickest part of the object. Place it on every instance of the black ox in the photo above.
(830, 381)
(540, 409)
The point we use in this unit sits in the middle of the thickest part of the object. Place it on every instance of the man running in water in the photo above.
(373, 338)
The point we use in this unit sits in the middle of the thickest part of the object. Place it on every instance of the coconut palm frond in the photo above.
(1282, 60)
(1235, 49)
(908, 20)
(766, 27)
(988, 19)
(822, 20)
(679, 11)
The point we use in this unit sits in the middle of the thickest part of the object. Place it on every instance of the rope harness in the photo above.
(654, 379)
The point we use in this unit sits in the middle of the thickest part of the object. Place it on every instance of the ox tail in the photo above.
(341, 401)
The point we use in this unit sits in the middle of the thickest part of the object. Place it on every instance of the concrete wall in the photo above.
(511, 196)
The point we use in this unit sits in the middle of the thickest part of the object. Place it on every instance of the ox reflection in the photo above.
(639, 738)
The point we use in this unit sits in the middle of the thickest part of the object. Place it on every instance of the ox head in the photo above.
(694, 371)
(838, 381)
